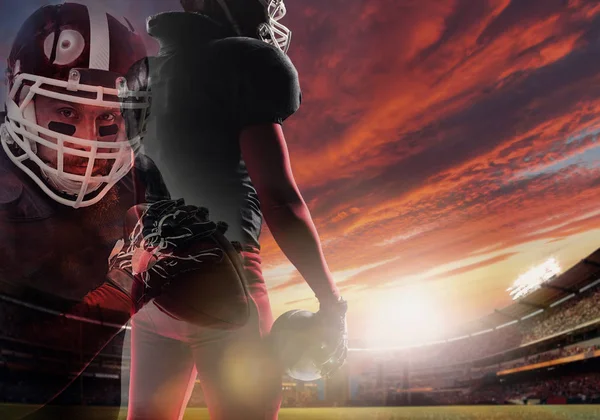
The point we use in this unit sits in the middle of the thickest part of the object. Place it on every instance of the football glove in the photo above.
(162, 240)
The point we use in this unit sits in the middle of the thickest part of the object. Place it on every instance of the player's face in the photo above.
(83, 121)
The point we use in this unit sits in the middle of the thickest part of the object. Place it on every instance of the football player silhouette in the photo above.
(222, 85)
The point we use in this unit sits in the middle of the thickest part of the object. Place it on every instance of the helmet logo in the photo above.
(69, 47)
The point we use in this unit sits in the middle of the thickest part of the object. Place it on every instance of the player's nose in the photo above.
(84, 130)
(88, 130)
(91, 130)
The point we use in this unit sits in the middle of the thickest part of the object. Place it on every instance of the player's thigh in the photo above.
(239, 376)
(161, 377)
(239, 382)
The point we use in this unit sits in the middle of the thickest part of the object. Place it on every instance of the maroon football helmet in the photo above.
(79, 54)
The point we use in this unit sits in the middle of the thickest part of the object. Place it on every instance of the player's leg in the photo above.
(239, 379)
(238, 374)
(162, 368)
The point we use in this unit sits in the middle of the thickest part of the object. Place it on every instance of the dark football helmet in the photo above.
(269, 31)
(311, 345)
(80, 54)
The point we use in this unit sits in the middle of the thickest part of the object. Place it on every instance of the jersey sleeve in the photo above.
(270, 90)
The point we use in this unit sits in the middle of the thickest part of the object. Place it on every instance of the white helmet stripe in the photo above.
(99, 38)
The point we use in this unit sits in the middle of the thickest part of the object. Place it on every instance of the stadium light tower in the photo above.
(534, 278)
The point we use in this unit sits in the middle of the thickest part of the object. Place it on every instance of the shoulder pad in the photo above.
(269, 87)
(18, 199)
(11, 187)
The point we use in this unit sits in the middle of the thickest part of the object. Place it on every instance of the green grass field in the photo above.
(580, 412)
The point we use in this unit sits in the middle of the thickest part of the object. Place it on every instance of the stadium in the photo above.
(442, 148)
(538, 357)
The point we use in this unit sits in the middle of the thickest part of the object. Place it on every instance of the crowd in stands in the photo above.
(60, 333)
(570, 314)
(29, 388)
(452, 358)
(197, 398)
(467, 349)
(448, 377)
(559, 354)
(307, 397)
(545, 357)
(101, 392)
(563, 317)
(27, 325)
(570, 389)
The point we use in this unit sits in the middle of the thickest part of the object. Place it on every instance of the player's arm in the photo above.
(268, 163)
(270, 95)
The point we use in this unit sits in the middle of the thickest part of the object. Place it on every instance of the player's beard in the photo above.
(102, 210)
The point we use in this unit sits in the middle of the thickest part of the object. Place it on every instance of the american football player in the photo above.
(68, 174)
(222, 85)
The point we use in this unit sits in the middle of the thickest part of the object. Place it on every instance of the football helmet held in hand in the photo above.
(311, 345)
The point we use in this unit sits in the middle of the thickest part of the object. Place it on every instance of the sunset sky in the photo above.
(443, 148)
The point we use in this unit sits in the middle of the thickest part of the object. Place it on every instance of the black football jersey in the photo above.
(206, 87)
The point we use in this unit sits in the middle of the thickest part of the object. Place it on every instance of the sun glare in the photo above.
(404, 318)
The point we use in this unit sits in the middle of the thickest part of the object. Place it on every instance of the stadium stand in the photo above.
(528, 351)
(544, 348)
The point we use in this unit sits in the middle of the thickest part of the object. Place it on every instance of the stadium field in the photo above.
(575, 412)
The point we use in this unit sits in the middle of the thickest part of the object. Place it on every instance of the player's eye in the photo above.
(68, 113)
(107, 117)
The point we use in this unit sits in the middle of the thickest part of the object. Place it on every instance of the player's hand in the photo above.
(162, 240)
(334, 348)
